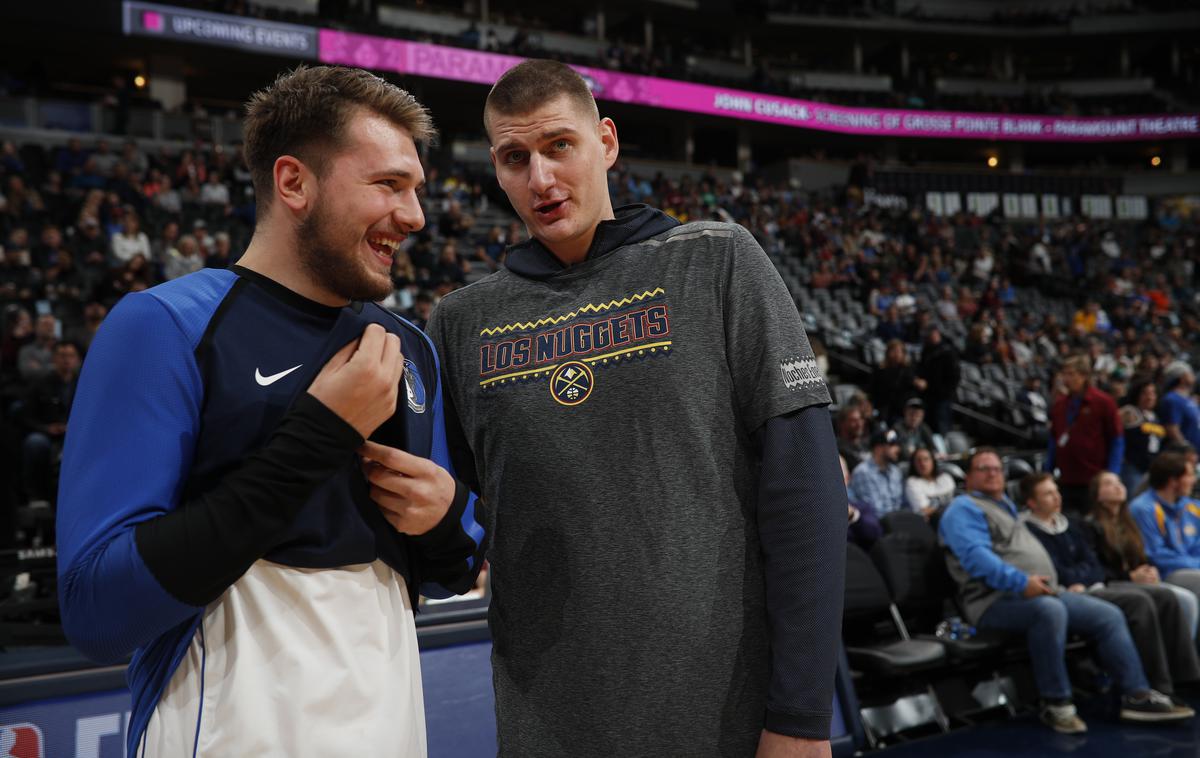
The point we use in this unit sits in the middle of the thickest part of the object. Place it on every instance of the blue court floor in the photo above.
(1026, 736)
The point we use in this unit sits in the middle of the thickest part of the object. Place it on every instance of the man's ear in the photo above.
(295, 183)
(608, 137)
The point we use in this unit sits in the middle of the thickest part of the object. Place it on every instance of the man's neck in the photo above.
(271, 256)
(1168, 496)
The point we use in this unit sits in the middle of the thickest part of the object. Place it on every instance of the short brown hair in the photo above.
(305, 114)
(1030, 482)
(533, 83)
(976, 453)
(1166, 467)
(1080, 364)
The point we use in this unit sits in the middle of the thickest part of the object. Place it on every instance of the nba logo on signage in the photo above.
(21, 741)
(151, 22)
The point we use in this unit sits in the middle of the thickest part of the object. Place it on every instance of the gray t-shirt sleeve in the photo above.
(772, 363)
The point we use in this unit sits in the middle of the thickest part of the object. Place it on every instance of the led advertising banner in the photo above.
(436, 61)
(251, 34)
(442, 62)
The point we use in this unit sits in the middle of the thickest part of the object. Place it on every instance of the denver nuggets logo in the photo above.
(571, 383)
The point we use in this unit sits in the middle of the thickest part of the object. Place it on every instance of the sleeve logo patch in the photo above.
(799, 373)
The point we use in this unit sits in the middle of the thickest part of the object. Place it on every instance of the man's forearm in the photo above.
(802, 527)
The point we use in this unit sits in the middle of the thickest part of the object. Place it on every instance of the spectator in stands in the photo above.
(44, 413)
(1178, 409)
(1117, 541)
(215, 192)
(18, 332)
(852, 436)
(890, 329)
(222, 253)
(878, 480)
(93, 315)
(1092, 319)
(914, 433)
(183, 259)
(131, 240)
(1169, 521)
(1086, 435)
(864, 529)
(939, 369)
(167, 239)
(36, 359)
(893, 383)
(927, 488)
(1145, 437)
(203, 239)
(1006, 581)
(1157, 622)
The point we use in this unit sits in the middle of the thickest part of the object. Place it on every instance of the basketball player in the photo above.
(644, 416)
(215, 520)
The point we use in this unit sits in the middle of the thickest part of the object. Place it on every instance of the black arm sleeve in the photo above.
(201, 548)
(802, 526)
(445, 551)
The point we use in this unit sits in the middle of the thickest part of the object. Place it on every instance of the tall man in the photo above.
(214, 518)
(1086, 435)
(649, 430)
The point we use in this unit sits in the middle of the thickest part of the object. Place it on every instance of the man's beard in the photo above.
(330, 255)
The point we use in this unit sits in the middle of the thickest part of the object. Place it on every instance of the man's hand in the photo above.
(774, 745)
(1077, 587)
(413, 493)
(360, 382)
(1038, 585)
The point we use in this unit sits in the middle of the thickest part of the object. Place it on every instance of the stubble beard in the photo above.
(330, 255)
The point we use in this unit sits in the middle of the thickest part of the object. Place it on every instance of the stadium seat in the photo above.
(893, 663)
(957, 443)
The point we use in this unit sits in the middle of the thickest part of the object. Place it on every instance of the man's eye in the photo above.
(561, 145)
(515, 156)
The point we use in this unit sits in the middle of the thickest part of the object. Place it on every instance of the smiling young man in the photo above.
(646, 420)
(214, 519)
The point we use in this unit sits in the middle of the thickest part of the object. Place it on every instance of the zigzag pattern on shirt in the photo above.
(589, 308)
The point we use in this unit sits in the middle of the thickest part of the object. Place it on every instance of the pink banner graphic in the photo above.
(439, 62)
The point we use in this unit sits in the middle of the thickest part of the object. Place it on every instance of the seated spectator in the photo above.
(914, 433)
(1160, 628)
(853, 441)
(222, 253)
(130, 240)
(183, 259)
(93, 315)
(1169, 521)
(893, 383)
(203, 239)
(18, 332)
(1144, 435)
(490, 249)
(1086, 434)
(877, 481)
(47, 404)
(1006, 581)
(927, 488)
(1117, 541)
(891, 328)
(215, 192)
(1177, 409)
(36, 359)
(864, 529)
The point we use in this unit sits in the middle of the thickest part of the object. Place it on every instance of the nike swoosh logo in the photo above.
(264, 381)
